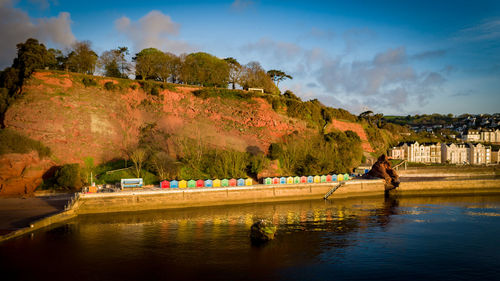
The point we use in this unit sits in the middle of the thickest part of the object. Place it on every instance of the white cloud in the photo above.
(16, 26)
(386, 82)
(153, 30)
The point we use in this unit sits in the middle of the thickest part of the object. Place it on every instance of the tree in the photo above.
(88, 169)
(254, 76)
(205, 70)
(146, 63)
(290, 95)
(168, 66)
(114, 62)
(235, 71)
(69, 177)
(31, 55)
(82, 58)
(278, 76)
(60, 59)
(138, 157)
(165, 166)
(122, 61)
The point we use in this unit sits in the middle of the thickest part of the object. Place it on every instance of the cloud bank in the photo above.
(16, 26)
(386, 82)
(154, 30)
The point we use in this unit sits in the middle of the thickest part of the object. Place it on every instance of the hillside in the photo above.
(79, 116)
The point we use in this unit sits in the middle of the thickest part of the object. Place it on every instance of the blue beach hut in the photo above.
(174, 184)
(240, 182)
(209, 183)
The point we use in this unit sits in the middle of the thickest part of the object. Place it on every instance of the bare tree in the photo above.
(138, 157)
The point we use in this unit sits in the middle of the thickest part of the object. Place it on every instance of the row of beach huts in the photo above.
(248, 181)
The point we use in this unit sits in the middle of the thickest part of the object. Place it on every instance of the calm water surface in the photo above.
(425, 238)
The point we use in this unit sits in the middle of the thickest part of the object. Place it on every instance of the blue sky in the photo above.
(393, 57)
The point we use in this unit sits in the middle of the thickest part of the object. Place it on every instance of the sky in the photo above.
(391, 57)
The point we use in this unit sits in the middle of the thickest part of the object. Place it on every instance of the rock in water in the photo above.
(382, 169)
(262, 231)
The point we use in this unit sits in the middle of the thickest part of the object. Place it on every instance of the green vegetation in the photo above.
(114, 63)
(425, 119)
(319, 154)
(206, 93)
(69, 177)
(81, 59)
(14, 142)
(150, 87)
(205, 70)
(313, 112)
(88, 82)
(278, 76)
(110, 86)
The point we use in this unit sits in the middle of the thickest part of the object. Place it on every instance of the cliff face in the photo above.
(77, 121)
(106, 118)
(20, 174)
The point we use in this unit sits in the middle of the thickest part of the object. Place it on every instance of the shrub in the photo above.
(88, 82)
(166, 86)
(109, 86)
(150, 87)
(133, 87)
(69, 177)
(206, 93)
(14, 142)
(290, 95)
(155, 91)
(275, 150)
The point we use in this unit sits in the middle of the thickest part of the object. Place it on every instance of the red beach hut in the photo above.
(200, 183)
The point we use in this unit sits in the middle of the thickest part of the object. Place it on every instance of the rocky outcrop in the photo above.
(382, 169)
(262, 231)
(20, 174)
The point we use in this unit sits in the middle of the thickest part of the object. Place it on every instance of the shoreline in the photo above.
(149, 200)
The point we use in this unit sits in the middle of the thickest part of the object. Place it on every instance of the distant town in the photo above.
(466, 139)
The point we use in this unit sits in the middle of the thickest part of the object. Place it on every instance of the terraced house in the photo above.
(479, 154)
(415, 152)
(483, 135)
(453, 153)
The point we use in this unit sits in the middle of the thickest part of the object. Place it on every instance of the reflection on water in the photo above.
(369, 238)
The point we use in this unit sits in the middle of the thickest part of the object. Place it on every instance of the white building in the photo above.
(479, 154)
(489, 135)
(472, 136)
(415, 152)
(484, 135)
(454, 153)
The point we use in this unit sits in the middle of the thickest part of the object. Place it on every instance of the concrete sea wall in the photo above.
(179, 198)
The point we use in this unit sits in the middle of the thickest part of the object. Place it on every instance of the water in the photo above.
(437, 238)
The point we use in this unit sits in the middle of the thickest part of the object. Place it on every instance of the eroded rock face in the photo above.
(382, 169)
(20, 174)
